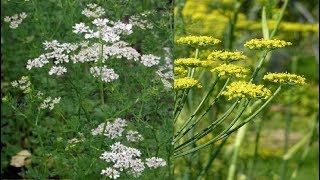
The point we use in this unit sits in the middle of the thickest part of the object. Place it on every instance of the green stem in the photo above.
(252, 116)
(307, 149)
(256, 149)
(199, 107)
(207, 110)
(100, 64)
(181, 103)
(257, 69)
(207, 130)
(232, 168)
(212, 157)
(276, 27)
(241, 110)
(284, 165)
(232, 24)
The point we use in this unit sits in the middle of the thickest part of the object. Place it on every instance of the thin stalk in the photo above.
(256, 150)
(37, 127)
(212, 157)
(284, 165)
(232, 168)
(252, 116)
(207, 130)
(276, 27)
(241, 110)
(206, 111)
(232, 24)
(257, 69)
(307, 149)
(100, 64)
(181, 103)
(199, 106)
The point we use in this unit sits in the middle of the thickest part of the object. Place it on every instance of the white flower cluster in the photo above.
(150, 60)
(105, 29)
(127, 159)
(23, 84)
(106, 74)
(58, 70)
(165, 72)
(140, 21)
(49, 103)
(110, 45)
(111, 173)
(15, 20)
(155, 162)
(93, 10)
(134, 136)
(59, 54)
(124, 158)
(112, 130)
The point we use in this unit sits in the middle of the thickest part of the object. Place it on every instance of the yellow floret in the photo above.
(189, 62)
(285, 78)
(198, 40)
(266, 44)
(231, 70)
(241, 89)
(185, 83)
(180, 71)
(227, 56)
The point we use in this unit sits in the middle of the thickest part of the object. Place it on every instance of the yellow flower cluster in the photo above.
(266, 44)
(285, 78)
(198, 40)
(189, 62)
(185, 83)
(227, 56)
(284, 26)
(241, 89)
(180, 71)
(230, 69)
(208, 64)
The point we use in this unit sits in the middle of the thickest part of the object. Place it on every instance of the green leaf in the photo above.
(265, 29)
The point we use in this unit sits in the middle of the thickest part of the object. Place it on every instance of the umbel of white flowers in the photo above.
(110, 46)
(124, 158)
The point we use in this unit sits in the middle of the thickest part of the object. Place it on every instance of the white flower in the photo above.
(23, 84)
(58, 70)
(134, 136)
(150, 60)
(15, 20)
(93, 10)
(112, 130)
(140, 21)
(49, 103)
(155, 162)
(80, 28)
(111, 173)
(100, 22)
(106, 74)
(124, 158)
(14, 84)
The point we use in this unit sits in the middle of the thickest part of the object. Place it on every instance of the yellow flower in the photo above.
(241, 89)
(266, 44)
(285, 78)
(227, 56)
(198, 40)
(230, 69)
(189, 62)
(180, 71)
(185, 83)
